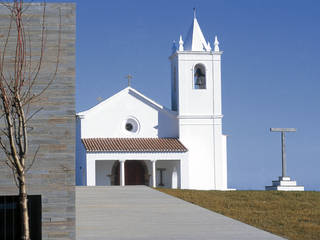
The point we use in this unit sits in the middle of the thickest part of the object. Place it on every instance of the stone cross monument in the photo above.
(284, 183)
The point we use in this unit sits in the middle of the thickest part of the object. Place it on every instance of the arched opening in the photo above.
(136, 173)
(199, 77)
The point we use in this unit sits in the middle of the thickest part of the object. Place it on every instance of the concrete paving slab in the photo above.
(139, 212)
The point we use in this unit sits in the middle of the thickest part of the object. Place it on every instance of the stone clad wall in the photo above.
(53, 128)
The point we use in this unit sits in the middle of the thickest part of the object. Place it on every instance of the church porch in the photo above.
(154, 170)
(155, 162)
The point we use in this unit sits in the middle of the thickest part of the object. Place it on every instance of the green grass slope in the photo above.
(293, 215)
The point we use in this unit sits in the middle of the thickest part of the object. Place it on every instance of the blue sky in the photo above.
(270, 72)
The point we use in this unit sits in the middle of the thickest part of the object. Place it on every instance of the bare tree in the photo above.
(19, 76)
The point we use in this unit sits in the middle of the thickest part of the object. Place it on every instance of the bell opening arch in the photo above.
(199, 76)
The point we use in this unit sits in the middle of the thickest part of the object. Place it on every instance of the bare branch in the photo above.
(34, 158)
(13, 169)
(7, 153)
(36, 71)
(32, 115)
(15, 176)
(3, 132)
(5, 48)
(17, 92)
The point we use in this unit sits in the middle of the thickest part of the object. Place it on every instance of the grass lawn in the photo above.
(293, 215)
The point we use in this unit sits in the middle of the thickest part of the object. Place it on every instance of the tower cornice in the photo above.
(195, 53)
(200, 116)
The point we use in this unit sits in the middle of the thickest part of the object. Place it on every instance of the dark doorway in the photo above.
(135, 173)
(10, 224)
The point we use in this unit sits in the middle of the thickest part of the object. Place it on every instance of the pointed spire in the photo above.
(209, 46)
(195, 40)
(181, 44)
(174, 47)
(194, 13)
(216, 44)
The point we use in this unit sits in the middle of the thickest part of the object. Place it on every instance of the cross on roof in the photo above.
(129, 77)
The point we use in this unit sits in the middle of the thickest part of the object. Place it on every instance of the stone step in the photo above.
(284, 183)
(285, 188)
(284, 179)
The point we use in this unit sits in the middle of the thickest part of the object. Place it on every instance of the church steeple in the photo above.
(195, 40)
(196, 98)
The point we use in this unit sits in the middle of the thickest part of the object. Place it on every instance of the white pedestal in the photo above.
(285, 184)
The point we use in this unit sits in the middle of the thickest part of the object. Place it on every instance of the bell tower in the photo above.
(196, 96)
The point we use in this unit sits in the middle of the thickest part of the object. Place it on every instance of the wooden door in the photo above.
(134, 173)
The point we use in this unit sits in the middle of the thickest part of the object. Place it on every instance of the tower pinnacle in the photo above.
(209, 46)
(181, 44)
(216, 44)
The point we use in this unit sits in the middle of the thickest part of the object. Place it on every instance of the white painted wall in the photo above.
(107, 119)
(103, 169)
(197, 136)
(167, 174)
(194, 101)
(200, 120)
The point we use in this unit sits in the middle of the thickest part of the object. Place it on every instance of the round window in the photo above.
(131, 125)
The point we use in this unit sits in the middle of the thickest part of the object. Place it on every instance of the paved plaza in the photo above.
(139, 212)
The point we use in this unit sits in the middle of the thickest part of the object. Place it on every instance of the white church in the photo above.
(129, 139)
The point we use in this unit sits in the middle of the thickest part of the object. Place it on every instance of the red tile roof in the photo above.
(133, 145)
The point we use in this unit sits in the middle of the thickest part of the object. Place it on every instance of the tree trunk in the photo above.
(24, 208)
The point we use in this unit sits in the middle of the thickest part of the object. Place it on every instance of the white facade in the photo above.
(199, 110)
(195, 119)
(108, 120)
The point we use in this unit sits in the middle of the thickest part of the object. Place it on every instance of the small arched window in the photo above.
(199, 77)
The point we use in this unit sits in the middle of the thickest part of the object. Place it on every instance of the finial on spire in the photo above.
(194, 13)
(174, 47)
(181, 44)
(216, 44)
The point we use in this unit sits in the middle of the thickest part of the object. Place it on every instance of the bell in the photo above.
(200, 79)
